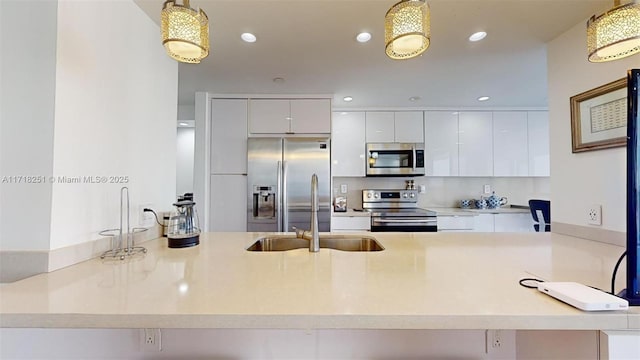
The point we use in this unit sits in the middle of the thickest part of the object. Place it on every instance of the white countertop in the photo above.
(420, 281)
(351, 213)
(444, 211)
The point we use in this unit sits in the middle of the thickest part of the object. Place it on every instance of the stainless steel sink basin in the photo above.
(336, 242)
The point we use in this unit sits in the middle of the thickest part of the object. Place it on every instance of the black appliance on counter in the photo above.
(397, 210)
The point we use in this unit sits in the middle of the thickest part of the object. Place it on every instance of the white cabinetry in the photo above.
(538, 139)
(350, 223)
(228, 201)
(456, 223)
(510, 150)
(409, 127)
(401, 126)
(513, 223)
(229, 136)
(483, 223)
(441, 143)
(228, 182)
(348, 144)
(289, 116)
(475, 148)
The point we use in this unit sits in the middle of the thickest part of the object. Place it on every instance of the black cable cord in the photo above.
(522, 282)
(154, 214)
(615, 272)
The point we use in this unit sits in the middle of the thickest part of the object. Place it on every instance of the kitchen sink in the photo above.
(336, 242)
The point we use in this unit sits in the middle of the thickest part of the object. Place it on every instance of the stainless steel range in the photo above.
(397, 210)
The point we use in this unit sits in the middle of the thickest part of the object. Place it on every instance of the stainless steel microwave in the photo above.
(395, 159)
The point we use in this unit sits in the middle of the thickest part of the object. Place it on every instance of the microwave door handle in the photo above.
(413, 152)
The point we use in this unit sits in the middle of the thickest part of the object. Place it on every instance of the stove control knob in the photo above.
(412, 195)
(376, 195)
(369, 195)
(405, 195)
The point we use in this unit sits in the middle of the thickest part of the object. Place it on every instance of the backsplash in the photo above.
(448, 191)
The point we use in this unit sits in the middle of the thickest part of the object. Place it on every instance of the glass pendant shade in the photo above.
(185, 32)
(407, 31)
(614, 34)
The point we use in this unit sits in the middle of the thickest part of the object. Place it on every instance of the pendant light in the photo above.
(407, 31)
(185, 32)
(614, 34)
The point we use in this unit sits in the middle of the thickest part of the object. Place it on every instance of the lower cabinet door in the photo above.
(513, 222)
(350, 223)
(228, 204)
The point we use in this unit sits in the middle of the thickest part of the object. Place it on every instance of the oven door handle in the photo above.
(405, 221)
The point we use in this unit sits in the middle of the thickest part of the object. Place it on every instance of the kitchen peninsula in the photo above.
(420, 281)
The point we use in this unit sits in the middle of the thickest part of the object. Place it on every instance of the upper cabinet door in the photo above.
(380, 127)
(409, 127)
(510, 150)
(475, 146)
(269, 116)
(348, 144)
(441, 143)
(228, 136)
(311, 116)
(538, 124)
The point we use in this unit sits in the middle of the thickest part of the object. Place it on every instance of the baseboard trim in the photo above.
(17, 265)
(591, 233)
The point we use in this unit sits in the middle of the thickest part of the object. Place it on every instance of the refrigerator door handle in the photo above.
(279, 197)
(285, 204)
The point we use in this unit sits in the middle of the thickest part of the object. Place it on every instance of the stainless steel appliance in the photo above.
(395, 159)
(279, 171)
(397, 210)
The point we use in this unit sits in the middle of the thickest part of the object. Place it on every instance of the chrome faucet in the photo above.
(312, 234)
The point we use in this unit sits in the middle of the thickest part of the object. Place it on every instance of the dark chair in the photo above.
(543, 206)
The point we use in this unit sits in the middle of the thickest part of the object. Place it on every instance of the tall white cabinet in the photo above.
(228, 181)
(538, 142)
(348, 144)
(441, 143)
(510, 144)
(475, 143)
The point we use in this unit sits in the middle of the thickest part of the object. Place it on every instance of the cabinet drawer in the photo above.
(455, 222)
(339, 223)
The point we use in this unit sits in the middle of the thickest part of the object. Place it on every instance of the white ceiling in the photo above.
(311, 44)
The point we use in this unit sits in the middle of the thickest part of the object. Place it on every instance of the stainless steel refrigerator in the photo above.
(279, 174)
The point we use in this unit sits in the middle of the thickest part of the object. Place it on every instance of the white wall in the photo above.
(116, 107)
(595, 177)
(28, 68)
(184, 160)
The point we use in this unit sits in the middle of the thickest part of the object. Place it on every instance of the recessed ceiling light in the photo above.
(344, 113)
(347, 98)
(278, 80)
(477, 36)
(248, 37)
(363, 37)
(414, 98)
(483, 98)
(183, 124)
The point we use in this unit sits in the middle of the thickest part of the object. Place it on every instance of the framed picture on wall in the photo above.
(599, 117)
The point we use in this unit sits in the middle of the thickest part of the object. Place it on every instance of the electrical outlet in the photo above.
(150, 340)
(494, 340)
(147, 219)
(594, 215)
(343, 188)
(486, 189)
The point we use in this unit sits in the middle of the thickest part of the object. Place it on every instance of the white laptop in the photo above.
(583, 297)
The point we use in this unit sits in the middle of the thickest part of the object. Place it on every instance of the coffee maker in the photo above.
(184, 226)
